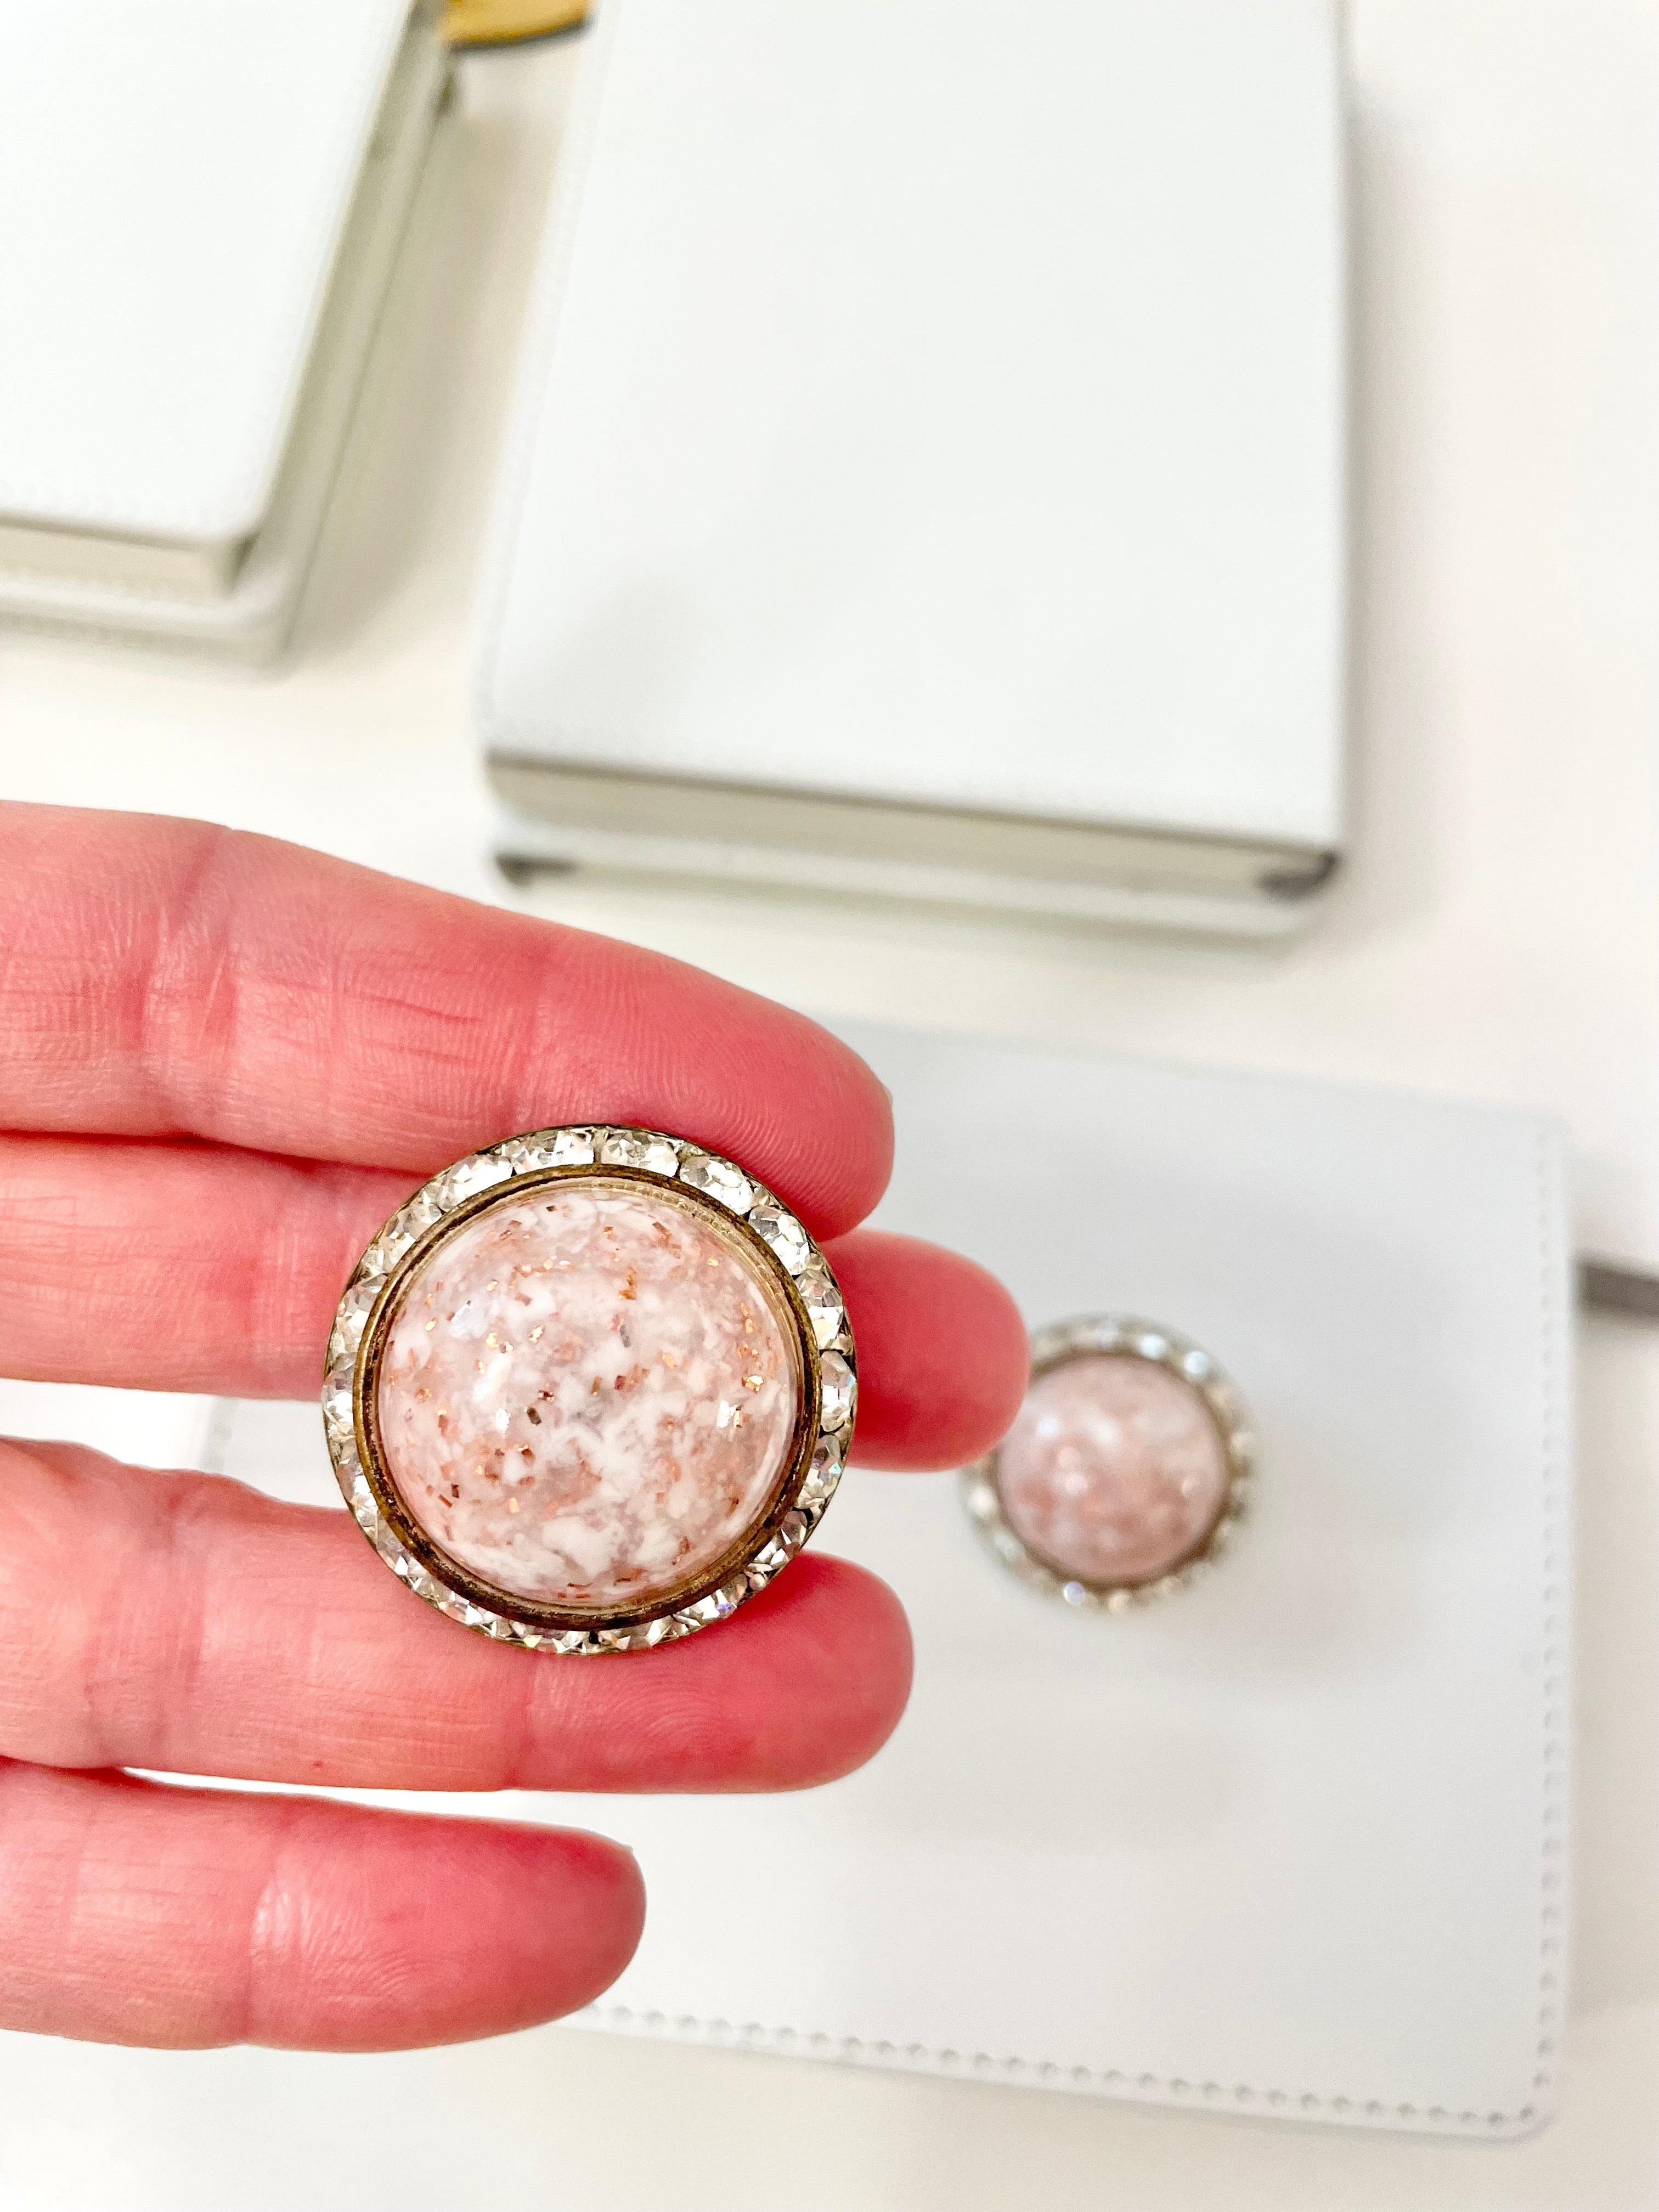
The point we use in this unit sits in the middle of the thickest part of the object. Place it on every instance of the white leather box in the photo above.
(930, 474)
(1290, 1843)
(205, 203)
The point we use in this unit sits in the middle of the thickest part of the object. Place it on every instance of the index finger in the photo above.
(168, 978)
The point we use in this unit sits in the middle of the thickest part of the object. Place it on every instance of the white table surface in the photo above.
(1496, 936)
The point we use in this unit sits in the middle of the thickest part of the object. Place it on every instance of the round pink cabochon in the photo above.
(1114, 1470)
(586, 1395)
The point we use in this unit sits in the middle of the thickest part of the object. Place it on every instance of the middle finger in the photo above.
(184, 1266)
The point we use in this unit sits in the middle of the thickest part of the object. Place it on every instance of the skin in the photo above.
(223, 1061)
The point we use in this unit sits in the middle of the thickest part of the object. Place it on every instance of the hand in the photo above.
(223, 1062)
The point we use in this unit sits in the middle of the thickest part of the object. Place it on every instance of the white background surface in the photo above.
(1497, 936)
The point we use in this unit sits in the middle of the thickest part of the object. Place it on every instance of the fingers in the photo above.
(133, 1913)
(942, 1358)
(164, 978)
(181, 1622)
(190, 1268)
(177, 1267)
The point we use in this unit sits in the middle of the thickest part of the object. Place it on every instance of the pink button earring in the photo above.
(1126, 1469)
(589, 1390)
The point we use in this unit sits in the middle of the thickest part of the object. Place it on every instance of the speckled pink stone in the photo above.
(587, 1395)
(1113, 1471)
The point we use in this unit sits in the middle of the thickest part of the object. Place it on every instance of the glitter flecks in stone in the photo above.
(587, 1395)
(1114, 1471)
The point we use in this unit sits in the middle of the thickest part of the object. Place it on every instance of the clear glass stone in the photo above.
(720, 1179)
(337, 1406)
(782, 1232)
(462, 1609)
(840, 1391)
(982, 1502)
(573, 1148)
(719, 1603)
(550, 1148)
(354, 1310)
(481, 1171)
(824, 1307)
(524, 1152)
(639, 1148)
(818, 1489)
(400, 1232)
(824, 1473)
(407, 1224)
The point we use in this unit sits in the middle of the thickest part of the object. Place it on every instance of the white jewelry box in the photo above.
(207, 202)
(929, 479)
